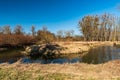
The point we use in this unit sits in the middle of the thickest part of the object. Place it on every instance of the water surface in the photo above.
(93, 56)
(10, 55)
(101, 55)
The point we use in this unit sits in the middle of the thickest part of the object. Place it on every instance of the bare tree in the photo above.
(7, 30)
(59, 34)
(1, 30)
(89, 25)
(72, 32)
(45, 36)
(18, 30)
(33, 31)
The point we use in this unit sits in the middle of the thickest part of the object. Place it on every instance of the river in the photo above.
(93, 56)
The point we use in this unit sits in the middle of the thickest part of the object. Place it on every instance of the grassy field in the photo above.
(77, 71)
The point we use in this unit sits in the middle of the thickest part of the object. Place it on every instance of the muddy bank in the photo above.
(77, 71)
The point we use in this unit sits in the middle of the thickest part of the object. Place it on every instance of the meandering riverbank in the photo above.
(76, 71)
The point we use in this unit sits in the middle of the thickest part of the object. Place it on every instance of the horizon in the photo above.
(54, 14)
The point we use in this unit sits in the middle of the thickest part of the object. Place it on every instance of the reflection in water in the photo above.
(101, 55)
(10, 55)
(94, 56)
(58, 60)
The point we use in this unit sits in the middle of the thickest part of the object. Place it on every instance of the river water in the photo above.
(94, 56)
(10, 55)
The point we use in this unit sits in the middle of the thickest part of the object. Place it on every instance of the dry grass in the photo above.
(77, 71)
(79, 47)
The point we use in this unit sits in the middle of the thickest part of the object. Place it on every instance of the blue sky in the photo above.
(55, 14)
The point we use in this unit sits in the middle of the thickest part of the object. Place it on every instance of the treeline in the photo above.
(68, 35)
(100, 28)
(17, 36)
(45, 36)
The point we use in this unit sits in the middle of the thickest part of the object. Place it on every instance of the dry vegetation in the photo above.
(77, 71)
(80, 46)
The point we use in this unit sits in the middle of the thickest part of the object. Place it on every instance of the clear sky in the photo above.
(55, 14)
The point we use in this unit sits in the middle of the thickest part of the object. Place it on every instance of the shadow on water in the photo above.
(95, 56)
(73, 58)
(10, 55)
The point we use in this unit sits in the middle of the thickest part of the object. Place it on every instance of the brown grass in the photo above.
(79, 47)
(77, 71)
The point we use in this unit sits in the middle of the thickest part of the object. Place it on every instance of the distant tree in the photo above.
(88, 25)
(45, 36)
(18, 30)
(95, 28)
(67, 33)
(60, 34)
(33, 31)
(7, 30)
(106, 27)
(118, 29)
(1, 30)
(99, 28)
(72, 32)
(44, 29)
